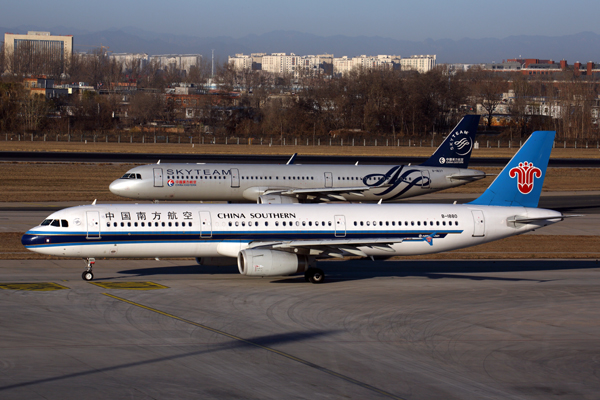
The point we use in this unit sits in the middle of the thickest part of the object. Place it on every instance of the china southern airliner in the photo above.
(284, 239)
(293, 183)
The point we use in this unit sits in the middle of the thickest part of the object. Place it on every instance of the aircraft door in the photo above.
(340, 226)
(93, 224)
(479, 223)
(205, 224)
(158, 177)
(328, 179)
(235, 178)
(425, 179)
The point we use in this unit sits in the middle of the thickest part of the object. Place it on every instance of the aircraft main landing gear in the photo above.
(87, 275)
(314, 275)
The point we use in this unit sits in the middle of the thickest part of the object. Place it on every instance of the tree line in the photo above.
(384, 103)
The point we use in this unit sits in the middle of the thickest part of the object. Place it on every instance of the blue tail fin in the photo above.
(520, 182)
(455, 151)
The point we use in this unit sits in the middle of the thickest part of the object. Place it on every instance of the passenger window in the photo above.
(129, 224)
(419, 223)
(361, 223)
(122, 224)
(176, 223)
(108, 224)
(266, 223)
(283, 223)
(316, 223)
(135, 224)
(115, 224)
(276, 223)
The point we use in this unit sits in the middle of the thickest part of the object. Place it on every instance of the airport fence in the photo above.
(207, 140)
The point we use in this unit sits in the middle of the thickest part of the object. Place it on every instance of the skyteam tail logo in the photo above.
(525, 173)
(461, 143)
(170, 182)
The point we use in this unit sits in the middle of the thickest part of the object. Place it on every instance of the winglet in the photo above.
(456, 150)
(520, 182)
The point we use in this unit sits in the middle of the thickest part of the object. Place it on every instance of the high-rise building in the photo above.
(37, 53)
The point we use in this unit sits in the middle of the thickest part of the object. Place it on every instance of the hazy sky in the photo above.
(397, 19)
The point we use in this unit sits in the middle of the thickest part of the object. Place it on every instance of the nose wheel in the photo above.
(87, 275)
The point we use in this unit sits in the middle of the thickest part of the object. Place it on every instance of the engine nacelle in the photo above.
(276, 199)
(258, 262)
(216, 261)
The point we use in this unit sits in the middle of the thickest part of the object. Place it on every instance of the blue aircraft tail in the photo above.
(455, 151)
(520, 182)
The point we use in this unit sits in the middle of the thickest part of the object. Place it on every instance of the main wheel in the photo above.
(87, 275)
(316, 276)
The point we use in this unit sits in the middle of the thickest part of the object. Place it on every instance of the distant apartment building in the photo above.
(37, 53)
(241, 62)
(130, 61)
(421, 64)
(282, 63)
(181, 62)
(343, 65)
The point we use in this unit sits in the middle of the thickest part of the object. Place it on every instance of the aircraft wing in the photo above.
(331, 247)
(323, 192)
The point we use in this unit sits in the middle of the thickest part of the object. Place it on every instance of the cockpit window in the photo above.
(138, 176)
(56, 222)
(64, 223)
(46, 222)
(131, 176)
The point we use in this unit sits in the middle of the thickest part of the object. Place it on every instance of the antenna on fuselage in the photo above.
(94, 202)
(291, 160)
(158, 162)
(356, 163)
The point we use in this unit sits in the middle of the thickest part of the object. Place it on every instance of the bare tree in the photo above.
(488, 87)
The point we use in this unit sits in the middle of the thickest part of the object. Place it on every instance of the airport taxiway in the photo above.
(404, 330)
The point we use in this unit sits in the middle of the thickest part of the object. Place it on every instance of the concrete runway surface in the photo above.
(403, 330)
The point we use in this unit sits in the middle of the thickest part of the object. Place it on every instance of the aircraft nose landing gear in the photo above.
(87, 275)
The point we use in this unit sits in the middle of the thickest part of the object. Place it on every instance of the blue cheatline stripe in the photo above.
(39, 240)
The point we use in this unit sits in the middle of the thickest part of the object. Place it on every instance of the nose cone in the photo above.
(30, 239)
(121, 187)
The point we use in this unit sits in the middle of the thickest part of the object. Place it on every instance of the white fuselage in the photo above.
(222, 230)
(247, 182)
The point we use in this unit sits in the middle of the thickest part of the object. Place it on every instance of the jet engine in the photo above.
(276, 199)
(259, 262)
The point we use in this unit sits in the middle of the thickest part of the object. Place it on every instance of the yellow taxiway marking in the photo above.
(130, 285)
(38, 286)
(269, 349)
